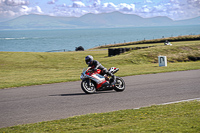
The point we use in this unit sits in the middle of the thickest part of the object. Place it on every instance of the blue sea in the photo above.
(69, 39)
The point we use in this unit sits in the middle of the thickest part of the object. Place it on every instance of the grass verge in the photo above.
(179, 117)
(154, 41)
(26, 68)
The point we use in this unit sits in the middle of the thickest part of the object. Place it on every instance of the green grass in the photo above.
(26, 68)
(154, 41)
(176, 118)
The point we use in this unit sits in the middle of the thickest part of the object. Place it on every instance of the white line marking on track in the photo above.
(174, 102)
(180, 101)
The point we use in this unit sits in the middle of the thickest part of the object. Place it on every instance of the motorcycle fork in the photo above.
(88, 82)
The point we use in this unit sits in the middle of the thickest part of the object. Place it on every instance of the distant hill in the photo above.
(193, 21)
(105, 20)
(34, 21)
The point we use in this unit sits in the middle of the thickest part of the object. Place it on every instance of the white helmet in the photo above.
(88, 59)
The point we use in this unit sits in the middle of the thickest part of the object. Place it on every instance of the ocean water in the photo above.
(69, 39)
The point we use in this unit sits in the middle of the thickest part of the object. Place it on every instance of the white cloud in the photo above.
(109, 6)
(15, 8)
(38, 10)
(51, 2)
(97, 3)
(159, 8)
(24, 9)
(78, 4)
(126, 7)
(145, 9)
(175, 9)
(175, 1)
(148, 1)
(15, 2)
(195, 3)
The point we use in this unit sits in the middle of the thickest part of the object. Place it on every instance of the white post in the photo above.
(162, 60)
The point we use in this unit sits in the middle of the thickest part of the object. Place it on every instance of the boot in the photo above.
(113, 80)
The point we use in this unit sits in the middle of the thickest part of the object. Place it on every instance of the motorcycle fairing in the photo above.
(99, 79)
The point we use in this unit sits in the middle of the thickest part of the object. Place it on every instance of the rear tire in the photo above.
(86, 89)
(119, 85)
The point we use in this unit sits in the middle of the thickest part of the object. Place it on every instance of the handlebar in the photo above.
(92, 70)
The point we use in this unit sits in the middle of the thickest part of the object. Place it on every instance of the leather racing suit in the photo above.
(96, 65)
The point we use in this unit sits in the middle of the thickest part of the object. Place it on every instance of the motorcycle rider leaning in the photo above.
(96, 65)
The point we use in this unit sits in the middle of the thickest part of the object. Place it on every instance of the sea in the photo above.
(58, 40)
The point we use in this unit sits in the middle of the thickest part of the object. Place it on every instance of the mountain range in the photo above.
(105, 20)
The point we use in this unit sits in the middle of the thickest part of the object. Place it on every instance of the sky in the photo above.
(174, 9)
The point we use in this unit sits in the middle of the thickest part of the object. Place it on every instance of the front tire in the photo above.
(119, 85)
(89, 90)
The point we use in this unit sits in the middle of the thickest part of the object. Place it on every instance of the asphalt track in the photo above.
(56, 101)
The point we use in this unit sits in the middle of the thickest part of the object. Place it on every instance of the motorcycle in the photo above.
(93, 81)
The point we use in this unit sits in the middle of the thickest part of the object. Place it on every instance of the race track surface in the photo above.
(57, 101)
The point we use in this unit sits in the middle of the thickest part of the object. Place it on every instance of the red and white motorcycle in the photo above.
(93, 81)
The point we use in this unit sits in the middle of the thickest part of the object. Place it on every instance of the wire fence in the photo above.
(60, 50)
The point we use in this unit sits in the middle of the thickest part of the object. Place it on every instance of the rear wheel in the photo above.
(119, 85)
(89, 89)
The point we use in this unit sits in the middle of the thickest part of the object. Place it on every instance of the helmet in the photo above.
(88, 59)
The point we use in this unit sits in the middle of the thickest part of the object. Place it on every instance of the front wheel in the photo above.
(89, 89)
(119, 85)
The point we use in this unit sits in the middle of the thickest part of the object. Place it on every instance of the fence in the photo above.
(60, 50)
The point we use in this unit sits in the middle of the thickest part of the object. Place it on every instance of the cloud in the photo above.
(148, 1)
(14, 8)
(78, 4)
(126, 7)
(51, 2)
(15, 2)
(194, 3)
(175, 9)
(96, 3)
(37, 9)
(146, 9)
(109, 6)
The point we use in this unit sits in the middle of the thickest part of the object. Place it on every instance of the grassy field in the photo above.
(175, 118)
(26, 68)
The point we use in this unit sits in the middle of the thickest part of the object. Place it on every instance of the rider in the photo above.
(96, 65)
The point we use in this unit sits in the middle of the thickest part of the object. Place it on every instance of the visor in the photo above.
(87, 61)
